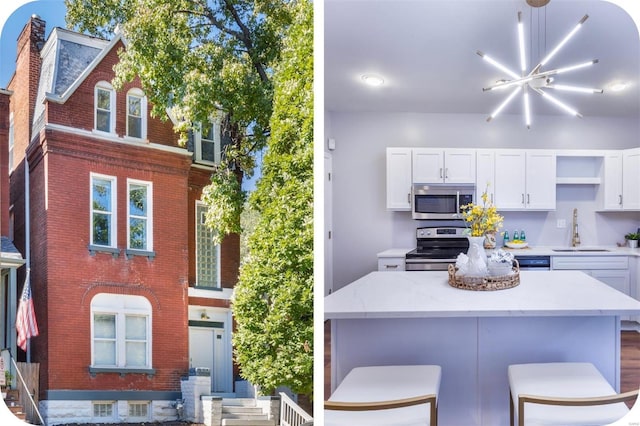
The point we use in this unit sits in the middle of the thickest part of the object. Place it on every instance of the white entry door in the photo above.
(207, 349)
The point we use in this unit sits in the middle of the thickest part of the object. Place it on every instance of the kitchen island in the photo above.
(391, 318)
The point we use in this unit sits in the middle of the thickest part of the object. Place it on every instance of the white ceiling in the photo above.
(426, 52)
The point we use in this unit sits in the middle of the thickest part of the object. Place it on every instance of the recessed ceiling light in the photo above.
(618, 87)
(373, 80)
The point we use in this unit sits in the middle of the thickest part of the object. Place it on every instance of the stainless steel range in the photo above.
(436, 248)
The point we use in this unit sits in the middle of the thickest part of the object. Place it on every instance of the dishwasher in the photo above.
(534, 263)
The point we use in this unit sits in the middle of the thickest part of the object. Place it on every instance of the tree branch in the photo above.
(246, 39)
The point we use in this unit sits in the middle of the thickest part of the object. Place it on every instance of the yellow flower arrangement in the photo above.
(482, 218)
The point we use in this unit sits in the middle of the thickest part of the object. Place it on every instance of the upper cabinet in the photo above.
(517, 179)
(525, 179)
(399, 179)
(435, 165)
(485, 174)
(631, 179)
(620, 189)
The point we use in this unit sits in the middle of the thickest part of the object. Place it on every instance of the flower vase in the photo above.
(477, 265)
(490, 240)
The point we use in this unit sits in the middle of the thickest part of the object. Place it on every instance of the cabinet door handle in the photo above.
(409, 198)
(440, 172)
(528, 200)
(522, 198)
(492, 198)
(391, 266)
(620, 199)
(446, 173)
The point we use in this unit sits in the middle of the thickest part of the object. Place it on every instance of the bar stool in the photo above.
(385, 396)
(563, 393)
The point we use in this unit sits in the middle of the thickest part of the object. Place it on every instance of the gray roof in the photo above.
(66, 57)
(9, 256)
(73, 59)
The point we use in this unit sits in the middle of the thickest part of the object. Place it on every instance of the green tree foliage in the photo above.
(202, 59)
(273, 305)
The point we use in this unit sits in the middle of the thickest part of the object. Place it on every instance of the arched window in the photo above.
(120, 331)
(105, 107)
(136, 114)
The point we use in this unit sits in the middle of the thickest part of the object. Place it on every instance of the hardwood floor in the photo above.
(629, 372)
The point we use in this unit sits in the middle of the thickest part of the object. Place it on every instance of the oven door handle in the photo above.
(457, 215)
(422, 260)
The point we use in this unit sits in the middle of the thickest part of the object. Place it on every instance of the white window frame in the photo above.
(11, 142)
(143, 111)
(104, 85)
(114, 411)
(197, 145)
(149, 217)
(131, 417)
(198, 220)
(114, 209)
(122, 306)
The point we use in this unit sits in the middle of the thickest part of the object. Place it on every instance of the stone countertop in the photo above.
(429, 295)
(543, 251)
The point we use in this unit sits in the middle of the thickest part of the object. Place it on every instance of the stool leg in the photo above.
(510, 409)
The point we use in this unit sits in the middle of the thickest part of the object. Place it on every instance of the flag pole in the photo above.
(27, 236)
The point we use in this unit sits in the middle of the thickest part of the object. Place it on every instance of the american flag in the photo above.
(26, 324)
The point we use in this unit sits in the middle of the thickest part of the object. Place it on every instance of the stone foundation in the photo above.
(65, 412)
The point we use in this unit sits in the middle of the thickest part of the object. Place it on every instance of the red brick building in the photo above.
(129, 291)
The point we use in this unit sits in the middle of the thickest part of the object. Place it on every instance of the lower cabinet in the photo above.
(391, 264)
(611, 270)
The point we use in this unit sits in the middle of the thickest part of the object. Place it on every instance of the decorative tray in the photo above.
(513, 245)
(485, 283)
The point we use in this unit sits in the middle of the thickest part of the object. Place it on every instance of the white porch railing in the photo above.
(290, 413)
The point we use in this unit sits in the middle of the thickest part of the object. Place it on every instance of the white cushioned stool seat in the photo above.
(562, 380)
(385, 383)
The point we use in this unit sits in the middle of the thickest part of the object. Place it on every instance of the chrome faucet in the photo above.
(575, 238)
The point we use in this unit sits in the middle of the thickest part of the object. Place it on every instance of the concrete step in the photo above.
(239, 409)
(244, 422)
(242, 402)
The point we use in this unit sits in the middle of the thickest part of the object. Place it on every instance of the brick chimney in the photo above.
(24, 83)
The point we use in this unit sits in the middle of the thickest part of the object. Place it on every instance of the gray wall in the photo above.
(362, 226)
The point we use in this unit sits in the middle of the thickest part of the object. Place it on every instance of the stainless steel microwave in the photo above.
(440, 202)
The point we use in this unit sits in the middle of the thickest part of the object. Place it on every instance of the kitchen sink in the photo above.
(573, 249)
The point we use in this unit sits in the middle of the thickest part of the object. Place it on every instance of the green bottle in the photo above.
(506, 237)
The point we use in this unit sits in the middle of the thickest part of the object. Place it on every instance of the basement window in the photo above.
(103, 410)
(139, 411)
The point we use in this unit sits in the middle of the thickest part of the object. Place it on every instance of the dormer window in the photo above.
(105, 106)
(136, 114)
(207, 143)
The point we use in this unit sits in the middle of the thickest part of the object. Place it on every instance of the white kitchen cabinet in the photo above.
(611, 270)
(631, 179)
(485, 174)
(618, 279)
(399, 179)
(435, 165)
(525, 179)
(391, 264)
(611, 187)
(620, 189)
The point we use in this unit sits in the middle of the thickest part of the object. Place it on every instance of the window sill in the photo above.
(135, 139)
(210, 288)
(150, 372)
(115, 252)
(132, 252)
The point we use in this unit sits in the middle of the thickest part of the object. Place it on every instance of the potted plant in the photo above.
(8, 377)
(632, 239)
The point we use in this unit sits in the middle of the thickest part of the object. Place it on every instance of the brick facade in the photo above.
(65, 274)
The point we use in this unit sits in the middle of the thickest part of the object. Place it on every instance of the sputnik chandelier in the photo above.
(537, 80)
